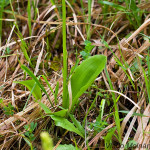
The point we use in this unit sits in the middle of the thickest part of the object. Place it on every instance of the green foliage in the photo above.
(81, 79)
(133, 13)
(108, 138)
(36, 81)
(28, 136)
(116, 116)
(66, 147)
(77, 124)
(29, 17)
(130, 144)
(119, 7)
(65, 70)
(3, 3)
(88, 47)
(59, 118)
(147, 78)
(24, 46)
(7, 51)
(56, 92)
(29, 131)
(8, 110)
(31, 84)
(89, 19)
(134, 114)
(98, 126)
(45, 108)
(64, 123)
(61, 113)
(85, 74)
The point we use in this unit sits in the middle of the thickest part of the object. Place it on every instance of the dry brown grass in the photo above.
(11, 127)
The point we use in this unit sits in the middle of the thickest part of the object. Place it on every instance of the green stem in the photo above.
(1, 17)
(65, 102)
(89, 19)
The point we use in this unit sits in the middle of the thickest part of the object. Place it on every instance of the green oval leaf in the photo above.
(66, 147)
(30, 84)
(85, 74)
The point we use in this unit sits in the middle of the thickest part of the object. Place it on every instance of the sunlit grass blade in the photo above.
(48, 84)
(89, 19)
(119, 7)
(23, 46)
(29, 17)
(56, 92)
(89, 109)
(2, 3)
(123, 65)
(36, 80)
(117, 120)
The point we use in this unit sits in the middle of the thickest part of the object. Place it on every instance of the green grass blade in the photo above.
(29, 16)
(30, 96)
(48, 84)
(56, 92)
(119, 7)
(117, 120)
(2, 4)
(89, 19)
(108, 139)
(23, 46)
(36, 80)
(92, 105)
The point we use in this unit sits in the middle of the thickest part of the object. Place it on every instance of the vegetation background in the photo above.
(54, 76)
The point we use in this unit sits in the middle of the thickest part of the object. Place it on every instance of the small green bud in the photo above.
(47, 143)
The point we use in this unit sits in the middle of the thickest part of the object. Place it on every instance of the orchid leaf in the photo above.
(85, 74)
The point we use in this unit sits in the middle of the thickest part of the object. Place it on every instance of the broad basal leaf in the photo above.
(66, 147)
(85, 74)
(30, 84)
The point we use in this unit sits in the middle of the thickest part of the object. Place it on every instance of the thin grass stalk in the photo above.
(65, 102)
(29, 17)
(148, 64)
(1, 16)
(117, 119)
(89, 19)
